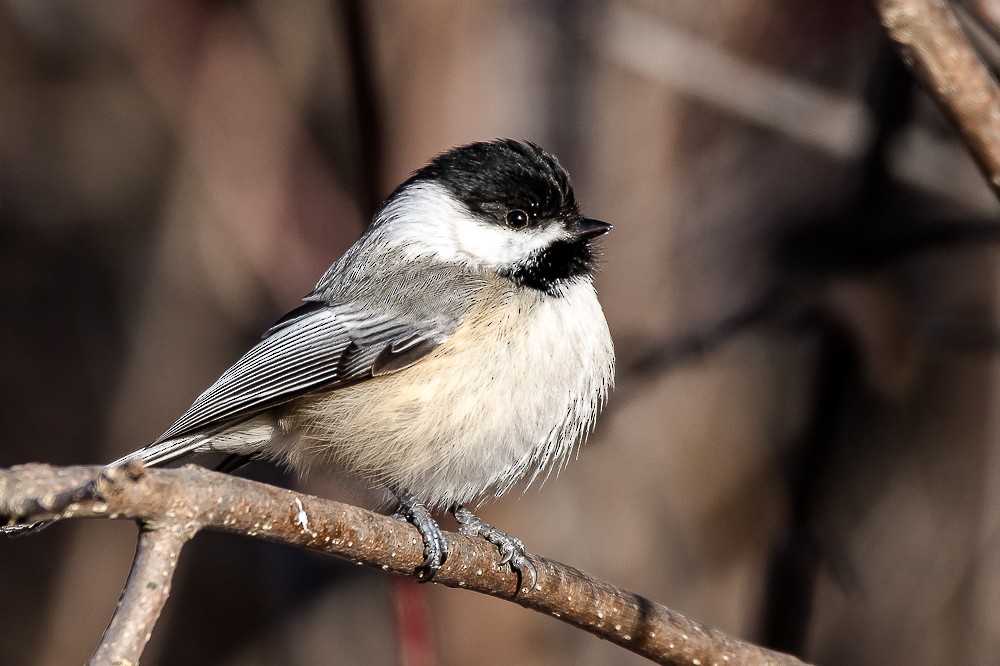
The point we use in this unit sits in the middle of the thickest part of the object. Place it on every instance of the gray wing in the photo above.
(317, 345)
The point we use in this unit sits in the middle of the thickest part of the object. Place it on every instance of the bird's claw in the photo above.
(511, 548)
(435, 545)
(435, 551)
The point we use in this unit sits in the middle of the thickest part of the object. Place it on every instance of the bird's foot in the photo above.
(435, 545)
(511, 548)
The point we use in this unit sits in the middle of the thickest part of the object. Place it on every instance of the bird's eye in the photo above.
(517, 219)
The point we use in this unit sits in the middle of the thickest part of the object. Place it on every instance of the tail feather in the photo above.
(246, 439)
(158, 454)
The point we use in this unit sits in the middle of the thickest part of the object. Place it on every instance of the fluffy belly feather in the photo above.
(509, 393)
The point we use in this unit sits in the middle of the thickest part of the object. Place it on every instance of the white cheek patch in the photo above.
(426, 222)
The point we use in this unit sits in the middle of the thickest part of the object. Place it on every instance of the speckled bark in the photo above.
(937, 51)
(143, 596)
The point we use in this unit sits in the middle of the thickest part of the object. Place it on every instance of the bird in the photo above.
(456, 349)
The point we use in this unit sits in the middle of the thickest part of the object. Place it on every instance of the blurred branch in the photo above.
(173, 505)
(669, 353)
(822, 119)
(365, 104)
(937, 51)
(981, 35)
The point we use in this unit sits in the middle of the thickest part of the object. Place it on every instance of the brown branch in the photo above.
(143, 597)
(932, 44)
(174, 504)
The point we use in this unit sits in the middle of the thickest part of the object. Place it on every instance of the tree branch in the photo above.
(937, 51)
(143, 597)
(172, 505)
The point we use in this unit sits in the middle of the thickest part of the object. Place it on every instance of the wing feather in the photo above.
(311, 347)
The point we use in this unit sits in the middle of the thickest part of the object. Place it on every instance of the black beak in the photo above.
(587, 228)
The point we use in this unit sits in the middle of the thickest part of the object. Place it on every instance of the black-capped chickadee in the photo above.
(456, 347)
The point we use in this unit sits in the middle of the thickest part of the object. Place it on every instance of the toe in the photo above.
(525, 571)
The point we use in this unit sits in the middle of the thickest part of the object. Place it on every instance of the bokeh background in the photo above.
(802, 284)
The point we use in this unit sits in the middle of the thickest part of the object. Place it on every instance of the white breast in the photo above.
(510, 393)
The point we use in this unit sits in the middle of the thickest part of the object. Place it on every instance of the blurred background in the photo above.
(802, 284)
